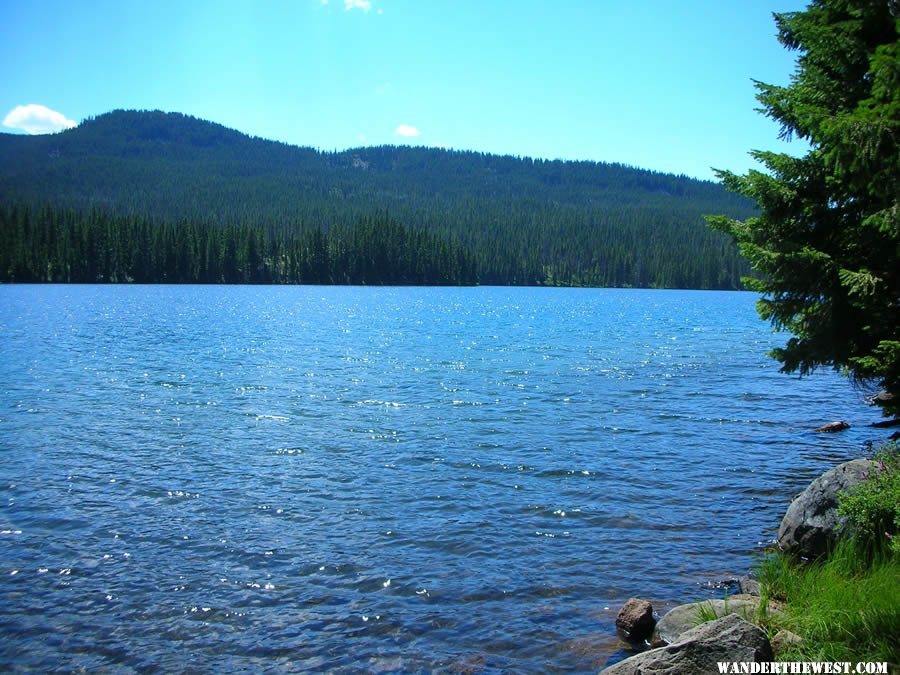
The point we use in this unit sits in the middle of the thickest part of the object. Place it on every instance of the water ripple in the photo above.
(346, 479)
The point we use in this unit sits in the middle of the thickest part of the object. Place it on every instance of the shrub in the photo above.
(872, 508)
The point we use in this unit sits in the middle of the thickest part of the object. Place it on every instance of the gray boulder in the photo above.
(811, 524)
(748, 585)
(730, 638)
(635, 620)
(683, 618)
(784, 640)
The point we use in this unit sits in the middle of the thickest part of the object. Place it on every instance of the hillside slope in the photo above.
(522, 220)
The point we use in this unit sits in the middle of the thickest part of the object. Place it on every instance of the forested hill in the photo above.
(515, 220)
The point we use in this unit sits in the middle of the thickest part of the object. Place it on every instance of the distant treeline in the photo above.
(54, 245)
(50, 244)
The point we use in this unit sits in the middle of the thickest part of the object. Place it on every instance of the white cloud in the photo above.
(364, 5)
(407, 131)
(37, 119)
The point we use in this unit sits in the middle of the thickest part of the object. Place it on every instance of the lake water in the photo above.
(383, 479)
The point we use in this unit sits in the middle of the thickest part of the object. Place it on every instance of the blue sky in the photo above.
(659, 84)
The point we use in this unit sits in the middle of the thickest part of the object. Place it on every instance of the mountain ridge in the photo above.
(544, 221)
(202, 126)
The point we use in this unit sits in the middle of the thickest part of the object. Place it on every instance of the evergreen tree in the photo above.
(827, 241)
(520, 221)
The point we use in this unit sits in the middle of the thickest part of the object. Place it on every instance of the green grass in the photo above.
(706, 612)
(846, 608)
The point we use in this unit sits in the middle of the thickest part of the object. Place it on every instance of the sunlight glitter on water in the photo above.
(479, 472)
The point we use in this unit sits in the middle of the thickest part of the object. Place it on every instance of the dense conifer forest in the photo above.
(163, 197)
(53, 245)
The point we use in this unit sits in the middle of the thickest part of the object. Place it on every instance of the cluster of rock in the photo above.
(697, 650)
(678, 645)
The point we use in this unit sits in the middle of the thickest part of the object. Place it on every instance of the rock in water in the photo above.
(831, 427)
(700, 649)
(811, 524)
(882, 398)
(635, 620)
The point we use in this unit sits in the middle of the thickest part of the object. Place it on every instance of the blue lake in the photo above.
(384, 479)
